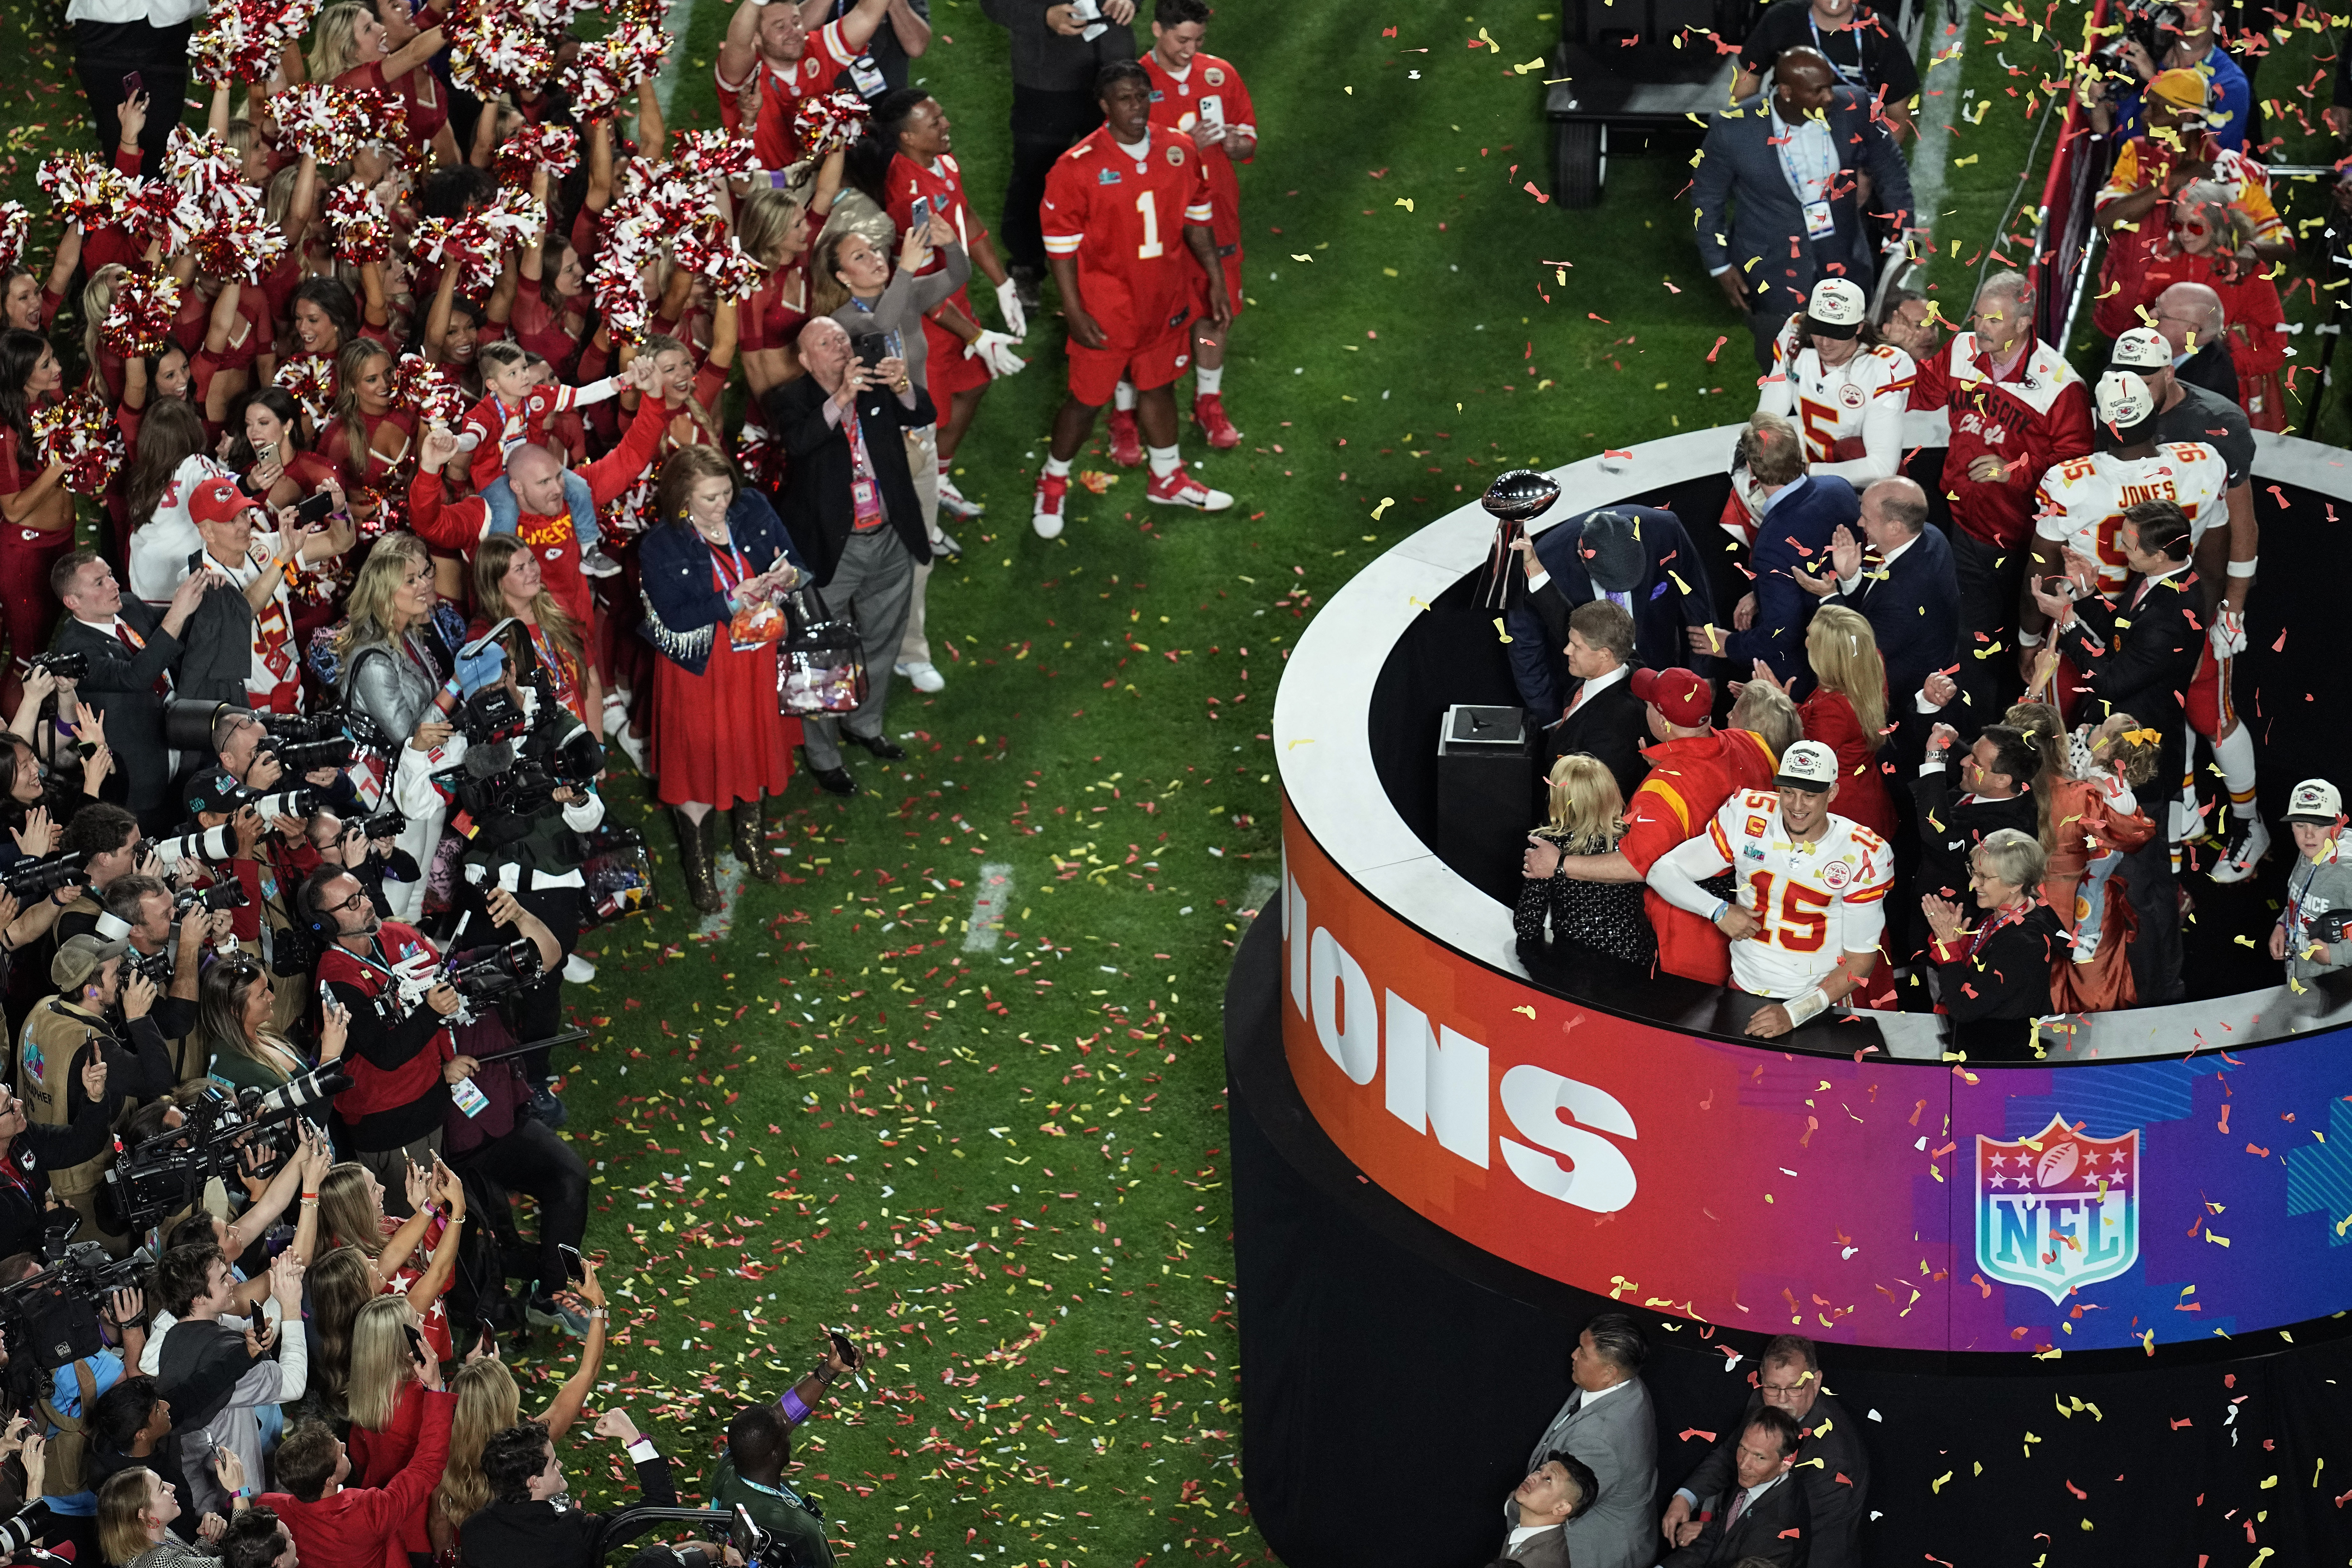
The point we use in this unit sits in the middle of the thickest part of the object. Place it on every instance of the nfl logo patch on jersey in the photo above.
(1176, 154)
(1106, 177)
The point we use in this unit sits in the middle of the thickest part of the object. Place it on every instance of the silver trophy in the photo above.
(1514, 498)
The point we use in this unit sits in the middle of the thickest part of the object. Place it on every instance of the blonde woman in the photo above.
(1847, 711)
(394, 658)
(488, 1402)
(351, 1207)
(1588, 814)
(391, 1371)
(775, 228)
(351, 48)
(135, 1510)
(509, 585)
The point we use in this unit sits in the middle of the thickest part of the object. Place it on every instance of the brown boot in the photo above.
(743, 823)
(695, 849)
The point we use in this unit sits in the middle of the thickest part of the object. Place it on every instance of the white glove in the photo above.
(1008, 305)
(2228, 633)
(995, 350)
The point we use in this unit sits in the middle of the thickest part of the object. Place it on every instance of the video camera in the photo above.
(496, 972)
(50, 1319)
(2154, 25)
(491, 715)
(38, 878)
(168, 1171)
(505, 780)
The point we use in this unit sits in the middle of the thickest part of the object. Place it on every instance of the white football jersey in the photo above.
(2081, 501)
(1828, 405)
(1814, 902)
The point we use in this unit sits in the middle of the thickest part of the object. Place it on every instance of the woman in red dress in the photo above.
(352, 48)
(712, 572)
(34, 506)
(276, 466)
(1847, 712)
(372, 441)
(26, 303)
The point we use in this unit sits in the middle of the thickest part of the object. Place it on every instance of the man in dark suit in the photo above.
(850, 504)
(1797, 516)
(1907, 588)
(1997, 776)
(1788, 168)
(132, 651)
(1555, 1492)
(1602, 718)
(1832, 1466)
(1763, 1516)
(1637, 557)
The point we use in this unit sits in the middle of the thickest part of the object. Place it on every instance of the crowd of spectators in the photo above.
(397, 437)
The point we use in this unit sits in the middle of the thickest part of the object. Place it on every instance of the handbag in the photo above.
(821, 662)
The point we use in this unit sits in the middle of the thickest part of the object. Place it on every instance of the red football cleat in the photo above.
(1209, 413)
(1181, 488)
(1126, 441)
(1045, 515)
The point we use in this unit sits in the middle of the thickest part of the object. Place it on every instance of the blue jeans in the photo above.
(506, 516)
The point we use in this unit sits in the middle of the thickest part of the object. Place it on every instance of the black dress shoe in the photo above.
(882, 746)
(834, 780)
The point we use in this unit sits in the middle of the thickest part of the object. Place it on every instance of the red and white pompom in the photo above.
(238, 241)
(201, 163)
(618, 285)
(714, 153)
(713, 251)
(236, 43)
(309, 380)
(463, 243)
(139, 321)
(16, 230)
(832, 121)
(613, 65)
(85, 187)
(433, 390)
(163, 210)
(500, 50)
(554, 148)
(81, 434)
(362, 232)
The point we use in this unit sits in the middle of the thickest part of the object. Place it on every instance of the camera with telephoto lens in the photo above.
(494, 972)
(2154, 25)
(38, 878)
(220, 1134)
(50, 1320)
(206, 845)
(226, 894)
(61, 666)
(302, 801)
(389, 823)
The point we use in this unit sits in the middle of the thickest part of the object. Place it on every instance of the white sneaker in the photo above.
(632, 747)
(957, 504)
(2248, 841)
(616, 711)
(578, 970)
(1046, 512)
(924, 675)
(594, 563)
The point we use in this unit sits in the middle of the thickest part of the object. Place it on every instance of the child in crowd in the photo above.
(2320, 884)
(520, 393)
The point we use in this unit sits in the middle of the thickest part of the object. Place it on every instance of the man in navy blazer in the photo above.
(1910, 593)
(1637, 556)
(1800, 514)
(1787, 170)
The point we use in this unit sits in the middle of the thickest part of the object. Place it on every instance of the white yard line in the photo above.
(676, 24)
(988, 901)
(1939, 100)
(1261, 888)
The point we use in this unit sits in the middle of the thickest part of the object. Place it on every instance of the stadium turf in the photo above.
(998, 1155)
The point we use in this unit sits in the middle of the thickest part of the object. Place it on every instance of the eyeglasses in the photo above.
(357, 901)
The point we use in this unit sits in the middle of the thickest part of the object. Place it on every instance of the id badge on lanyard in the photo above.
(867, 78)
(1820, 223)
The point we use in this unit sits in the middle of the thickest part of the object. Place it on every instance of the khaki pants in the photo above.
(923, 464)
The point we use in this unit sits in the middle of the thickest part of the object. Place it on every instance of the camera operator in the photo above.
(202, 1353)
(532, 798)
(750, 1474)
(402, 1056)
(139, 912)
(75, 1027)
(108, 838)
(524, 1525)
(2158, 37)
(68, 1404)
(248, 753)
(30, 1153)
(369, 848)
(242, 1242)
(264, 858)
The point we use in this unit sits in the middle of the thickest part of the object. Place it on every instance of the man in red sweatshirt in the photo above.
(2016, 410)
(537, 478)
(335, 1526)
(1693, 768)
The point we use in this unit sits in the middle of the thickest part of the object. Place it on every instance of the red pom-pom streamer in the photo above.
(362, 233)
(139, 321)
(86, 188)
(832, 121)
(555, 148)
(309, 380)
(433, 390)
(81, 434)
(16, 229)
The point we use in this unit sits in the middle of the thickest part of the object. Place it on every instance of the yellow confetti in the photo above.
(1499, 631)
(1530, 1012)
(2217, 1240)
(1386, 502)
(1302, 259)
(1405, 202)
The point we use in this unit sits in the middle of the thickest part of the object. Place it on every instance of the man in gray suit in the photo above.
(1608, 1425)
(1792, 171)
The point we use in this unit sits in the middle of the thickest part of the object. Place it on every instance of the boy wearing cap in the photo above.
(64, 1033)
(1693, 768)
(239, 646)
(2321, 883)
(1805, 925)
(1845, 396)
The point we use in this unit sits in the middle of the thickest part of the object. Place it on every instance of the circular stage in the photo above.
(1448, 1154)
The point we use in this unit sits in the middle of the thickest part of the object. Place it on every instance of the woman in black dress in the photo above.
(1587, 818)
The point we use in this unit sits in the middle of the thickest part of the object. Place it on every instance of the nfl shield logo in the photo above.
(2057, 1211)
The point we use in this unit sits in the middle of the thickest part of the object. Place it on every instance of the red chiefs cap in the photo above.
(218, 501)
(1681, 696)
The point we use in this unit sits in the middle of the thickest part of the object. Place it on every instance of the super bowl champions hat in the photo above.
(1808, 764)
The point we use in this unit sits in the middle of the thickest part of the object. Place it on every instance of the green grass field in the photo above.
(1046, 1171)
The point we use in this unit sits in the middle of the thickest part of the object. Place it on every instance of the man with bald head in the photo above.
(1902, 584)
(2193, 320)
(1777, 193)
(536, 476)
(849, 501)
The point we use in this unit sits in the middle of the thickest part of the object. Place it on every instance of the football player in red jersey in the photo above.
(1200, 96)
(775, 38)
(1129, 291)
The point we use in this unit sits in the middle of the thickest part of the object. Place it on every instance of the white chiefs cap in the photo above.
(2316, 800)
(1837, 308)
(2123, 400)
(2142, 348)
(1808, 764)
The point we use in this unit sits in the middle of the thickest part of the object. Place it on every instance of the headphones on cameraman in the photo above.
(306, 904)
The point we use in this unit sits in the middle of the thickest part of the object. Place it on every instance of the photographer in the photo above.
(524, 1526)
(106, 838)
(201, 1353)
(530, 798)
(139, 911)
(249, 753)
(264, 858)
(368, 847)
(68, 1400)
(751, 1475)
(403, 1057)
(242, 1243)
(2158, 37)
(73, 1028)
